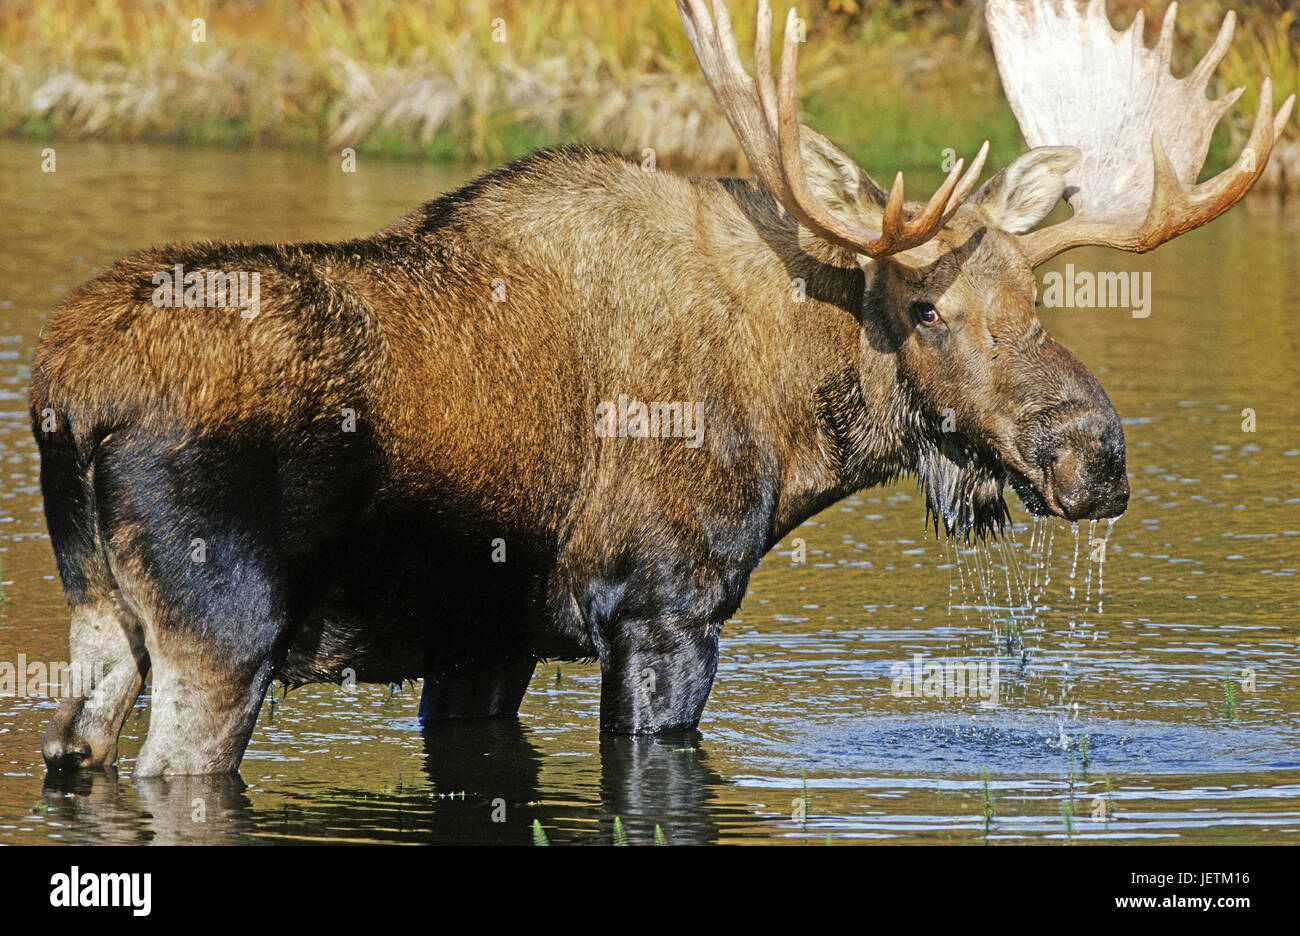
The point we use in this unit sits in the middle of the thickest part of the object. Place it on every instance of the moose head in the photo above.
(950, 290)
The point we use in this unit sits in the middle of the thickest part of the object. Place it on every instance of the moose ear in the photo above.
(1027, 190)
(836, 180)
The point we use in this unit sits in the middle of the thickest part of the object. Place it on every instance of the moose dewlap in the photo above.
(429, 452)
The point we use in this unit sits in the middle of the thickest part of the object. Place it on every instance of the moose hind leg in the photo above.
(107, 659)
(213, 647)
(655, 676)
(193, 540)
(202, 712)
(107, 665)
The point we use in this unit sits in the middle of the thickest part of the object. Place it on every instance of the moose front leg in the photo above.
(655, 676)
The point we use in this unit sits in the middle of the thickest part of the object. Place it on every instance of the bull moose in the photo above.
(428, 452)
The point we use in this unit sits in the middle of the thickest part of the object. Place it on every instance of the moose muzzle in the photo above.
(1083, 467)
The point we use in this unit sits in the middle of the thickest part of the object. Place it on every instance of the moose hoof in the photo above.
(65, 754)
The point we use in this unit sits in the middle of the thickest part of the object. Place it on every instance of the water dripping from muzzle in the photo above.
(1019, 573)
(1074, 563)
(1011, 598)
(1087, 589)
(1047, 564)
(1101, 560)
(1035, 546)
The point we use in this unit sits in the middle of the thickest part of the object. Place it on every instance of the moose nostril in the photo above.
(1069, 484)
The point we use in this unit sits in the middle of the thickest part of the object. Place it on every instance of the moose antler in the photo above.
(1072, 79)
(767, 125)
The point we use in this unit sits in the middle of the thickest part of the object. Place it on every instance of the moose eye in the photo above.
(925, 313)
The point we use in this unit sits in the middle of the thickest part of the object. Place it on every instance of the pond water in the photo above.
(1159, 702)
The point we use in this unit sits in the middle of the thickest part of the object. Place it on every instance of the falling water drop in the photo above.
(1101, 560)
(1006, 570)
(1047, 562)
(961, 577)
(1036, 550)
(947, 556)
(1031, 558)
(1087, 592)
(1019, 574)
(1074, 563)
(978, 576)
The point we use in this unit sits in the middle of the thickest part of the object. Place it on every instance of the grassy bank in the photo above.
(894, 82)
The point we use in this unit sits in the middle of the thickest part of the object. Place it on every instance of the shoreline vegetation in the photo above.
(897, 83)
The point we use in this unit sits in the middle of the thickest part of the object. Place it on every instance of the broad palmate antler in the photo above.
(1073, 80)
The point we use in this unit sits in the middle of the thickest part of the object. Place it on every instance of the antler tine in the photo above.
(968, 181)
(1165, 44)
(766, 121)
(763, 65)
(1137, 29)
(1200, 76)
(893, 217)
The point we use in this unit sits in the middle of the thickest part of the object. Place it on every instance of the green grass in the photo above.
(896, 84)
(987, 796)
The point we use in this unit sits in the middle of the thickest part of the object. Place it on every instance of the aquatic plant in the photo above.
(987, 796)
(1229, 690)
(807, 803)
